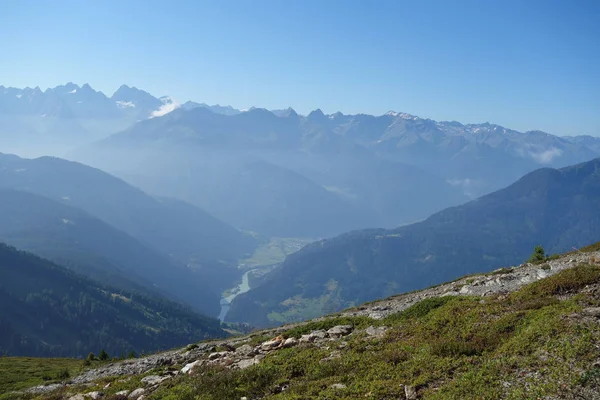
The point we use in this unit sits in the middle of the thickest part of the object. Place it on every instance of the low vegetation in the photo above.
(537, 342)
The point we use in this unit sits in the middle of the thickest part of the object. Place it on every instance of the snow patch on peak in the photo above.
(125, 104)
(73, 91)
(402, 115)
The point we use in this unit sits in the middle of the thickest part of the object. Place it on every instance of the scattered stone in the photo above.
(78, 396)
(340, 330)
(122, 393)
(338, 386)
(94, 395)
(410, 392)
(137, 393)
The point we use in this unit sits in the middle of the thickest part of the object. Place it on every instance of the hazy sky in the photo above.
(525, 64)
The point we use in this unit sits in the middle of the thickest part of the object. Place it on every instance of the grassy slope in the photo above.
(533, 343)
(527, 345)
(23, 372)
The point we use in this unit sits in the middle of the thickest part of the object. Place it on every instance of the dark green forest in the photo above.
(47, 310)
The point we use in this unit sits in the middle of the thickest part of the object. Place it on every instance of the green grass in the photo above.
(17, 373)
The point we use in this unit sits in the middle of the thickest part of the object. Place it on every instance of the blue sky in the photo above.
(527, 64)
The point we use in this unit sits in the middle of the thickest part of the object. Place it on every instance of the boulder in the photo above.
(245, 350)
(78, 396)
(94, 395)
(122, 393)
(246, 363)
(290, 342)
(340, 330)
(338, 386)
(377, 332)
(272, 344)
(189, 367)
(152, 380)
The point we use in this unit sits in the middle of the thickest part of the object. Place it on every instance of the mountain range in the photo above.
(555, 208)
(106, 229)
(268, 172)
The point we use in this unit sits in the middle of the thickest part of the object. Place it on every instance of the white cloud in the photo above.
(168, 106)
(546, 157)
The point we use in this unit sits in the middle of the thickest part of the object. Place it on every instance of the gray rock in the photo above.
(122, 393)
(410, 392)
(245, 350)
(340, 330)
(78, 396)
(152, 380)
(189, 367)
(219, 354)
(246, 363)
(137, 393)
(94, 395)
(338, 386)
(377, 332)
(290, 342)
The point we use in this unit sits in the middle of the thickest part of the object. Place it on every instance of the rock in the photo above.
(592, 311)
(94, 395)
(338, 386)
(334, 354)
(340, 330)
(219, 354)
(410, 392)
(314, 335)
(137, 393)
(272, 344)
(152, 380)
(378, 332)
(107, 386)
(122, 393)
(243, 364)
(227, 346)
(245, 350)
(78, 396)
(290, 342)
(189, 367)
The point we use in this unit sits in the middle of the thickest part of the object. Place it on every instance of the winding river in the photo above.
(241, 288)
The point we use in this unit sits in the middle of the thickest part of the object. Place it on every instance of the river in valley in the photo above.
(241, 288)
